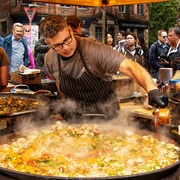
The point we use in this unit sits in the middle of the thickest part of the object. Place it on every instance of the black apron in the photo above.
(90, 94)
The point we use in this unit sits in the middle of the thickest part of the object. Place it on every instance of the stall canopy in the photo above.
(96, 2)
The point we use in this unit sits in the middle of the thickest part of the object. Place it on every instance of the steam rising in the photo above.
(43, 117)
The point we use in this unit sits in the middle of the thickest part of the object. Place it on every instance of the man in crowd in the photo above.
(157, 52)
(76, 24)
(121, 40)
(174, 50)
(83, 69)
(16, 48)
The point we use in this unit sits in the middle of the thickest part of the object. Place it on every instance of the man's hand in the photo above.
(157, 98)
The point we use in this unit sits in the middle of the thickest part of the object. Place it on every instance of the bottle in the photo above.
(172, 86)
(178, 85)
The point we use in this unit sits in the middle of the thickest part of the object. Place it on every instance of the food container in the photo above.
(21, 78)
(124, 86)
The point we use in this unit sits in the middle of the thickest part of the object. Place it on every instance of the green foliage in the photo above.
(162, 15)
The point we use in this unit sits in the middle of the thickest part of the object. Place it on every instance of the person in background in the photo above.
(141, 43)
(16, 48)
(174, 50)
(40, 47)
(83, 69)
(40, 50)
(109, 40)
(156, 50)
(76, 24)
(4, 63)
(40, 63)
(121, 40)
(131, 50)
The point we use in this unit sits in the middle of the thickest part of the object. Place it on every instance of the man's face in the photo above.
(120, 37)
(163, 37)
(64, 42)
(18, 33)
(172, 37)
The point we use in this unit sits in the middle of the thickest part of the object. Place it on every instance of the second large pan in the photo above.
(40, 96)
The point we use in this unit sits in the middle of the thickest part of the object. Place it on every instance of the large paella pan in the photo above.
(88, 152)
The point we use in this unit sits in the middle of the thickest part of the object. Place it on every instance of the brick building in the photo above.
(129, 18)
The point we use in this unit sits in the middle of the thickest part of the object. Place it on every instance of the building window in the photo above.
(14, 3)
(122, 9)
(98, 33)
(65, 6)
(83, 8)
(4, 27)
(140, 9)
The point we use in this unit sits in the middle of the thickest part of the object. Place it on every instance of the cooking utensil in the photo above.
(40, 96)
(155, 175)
(176, 97)
(21, 88)
(161, 116)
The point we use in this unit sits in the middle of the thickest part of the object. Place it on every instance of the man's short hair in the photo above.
(51, 25)
(160, 32)
(17, 25)
(175, 30)
(124, 33)
(74, 21)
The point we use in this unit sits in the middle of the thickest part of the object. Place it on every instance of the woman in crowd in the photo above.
(131, 50)
(4, 62)
(109, 40)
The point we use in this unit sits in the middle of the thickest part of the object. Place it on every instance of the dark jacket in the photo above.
(40, 47)
(156, 49)
(137, 57)
(7, 45)
(40, 64)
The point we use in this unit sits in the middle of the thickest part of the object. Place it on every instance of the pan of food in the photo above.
(176, 97)
(94, 152)
(12, 104)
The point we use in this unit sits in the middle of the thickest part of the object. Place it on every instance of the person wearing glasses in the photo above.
(83, 69)
(157, 51)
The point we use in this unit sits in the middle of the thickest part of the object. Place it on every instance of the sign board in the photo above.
(31, 33)
(30, 12)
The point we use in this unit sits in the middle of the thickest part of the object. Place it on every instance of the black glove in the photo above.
(157, 98)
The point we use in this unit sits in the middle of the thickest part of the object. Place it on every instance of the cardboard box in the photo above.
(26, 79)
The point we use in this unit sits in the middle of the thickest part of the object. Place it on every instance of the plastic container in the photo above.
(172, 86)
(178, 85)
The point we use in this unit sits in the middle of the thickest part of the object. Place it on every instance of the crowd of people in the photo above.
(163, 53)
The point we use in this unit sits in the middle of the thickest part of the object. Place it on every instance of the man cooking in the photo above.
(83, 69)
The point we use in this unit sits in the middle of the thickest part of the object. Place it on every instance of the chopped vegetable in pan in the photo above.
(12, 104)
(86, 151)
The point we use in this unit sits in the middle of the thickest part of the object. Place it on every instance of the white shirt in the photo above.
(17, 54)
